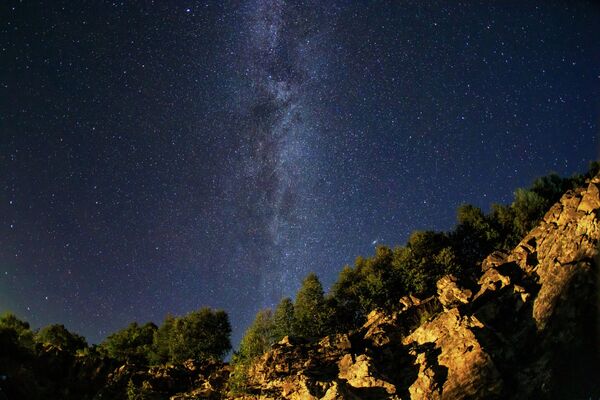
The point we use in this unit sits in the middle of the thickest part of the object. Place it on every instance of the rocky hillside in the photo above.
(524, 326)
(527, 329)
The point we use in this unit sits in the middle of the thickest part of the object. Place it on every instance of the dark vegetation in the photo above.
(53, 363)
(204, 335)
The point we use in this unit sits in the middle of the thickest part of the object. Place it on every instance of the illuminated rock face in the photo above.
(528, 330)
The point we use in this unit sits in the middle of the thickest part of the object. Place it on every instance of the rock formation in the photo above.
(528, 330)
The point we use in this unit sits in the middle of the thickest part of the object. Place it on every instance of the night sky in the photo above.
(156, 157)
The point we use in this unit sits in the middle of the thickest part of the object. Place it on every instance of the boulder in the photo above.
(450, 294)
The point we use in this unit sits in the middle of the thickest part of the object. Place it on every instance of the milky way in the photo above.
(157, 157)
(276, 164)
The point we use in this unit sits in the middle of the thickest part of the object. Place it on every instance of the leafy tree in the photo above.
(10, 320)
(378, 279)
(529, 207)
(551, 187)
(310, 312)
(283, 319)
(160, 352)
(258, 337)
(504, 219)
(593, 170)
(345, 299)
(57, 335)
(15, 331)
(419, 265)
(202, 334)
(475, 235)
(132, 344)
(448, 262)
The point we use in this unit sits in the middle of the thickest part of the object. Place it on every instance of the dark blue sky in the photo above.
(156, 157)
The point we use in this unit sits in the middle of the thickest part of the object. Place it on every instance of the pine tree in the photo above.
(310, 311)
(283, 319)
(259, 336)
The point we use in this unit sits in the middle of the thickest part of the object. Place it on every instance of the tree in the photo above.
(345, 299)
(310, 313)
(529, 207)
(16, 331)
(132, 344)
(475, 235)
(160, 353)
(200, 335)
(283, 319)
(503, 217)
(419, 265)
(258, 337)
(58, 336)
(551, 187)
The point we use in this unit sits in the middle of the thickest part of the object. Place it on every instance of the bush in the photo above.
(15, 332)
(200, 335)
(57, 335)
(132, 344)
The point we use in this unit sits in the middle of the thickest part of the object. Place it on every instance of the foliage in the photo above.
(283, 319)
(143, 392)
(57, 335)
(161, 340)
(372, 282)
(202, 334)
(238, 380)
(132, 344)
(345, 299)
(14, 333)
(529, 207)
(258, 338)
(380, 281)
(311, 316)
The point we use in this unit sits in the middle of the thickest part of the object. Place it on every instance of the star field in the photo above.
(156, 157)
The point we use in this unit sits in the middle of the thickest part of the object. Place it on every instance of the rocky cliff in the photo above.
(527, 329)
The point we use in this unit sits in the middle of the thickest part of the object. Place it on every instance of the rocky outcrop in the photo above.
(528, 330)
(450, 294)
(173, 382)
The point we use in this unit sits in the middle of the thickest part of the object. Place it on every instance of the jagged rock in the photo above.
(493, 260)
(470, 372)
(427, 385)
(530, 331)
(339, 342)
(409, 301)
(591, 199)
(450, 294)
(380, 328)
(361, 373)
(337, 391)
